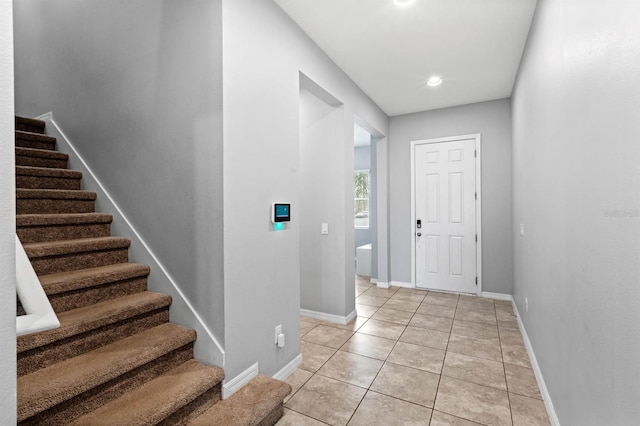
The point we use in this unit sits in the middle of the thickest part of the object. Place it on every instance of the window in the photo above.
(361, 198)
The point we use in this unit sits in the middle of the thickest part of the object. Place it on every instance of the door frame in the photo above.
(478, 225)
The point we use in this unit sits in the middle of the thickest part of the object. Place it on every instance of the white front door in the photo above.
(445, 215)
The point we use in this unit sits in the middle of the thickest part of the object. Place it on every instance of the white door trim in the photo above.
(478, 143)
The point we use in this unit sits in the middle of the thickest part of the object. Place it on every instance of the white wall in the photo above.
(322, 187)
(264, 52)
(576, 168)
(7, 224)
(136, 86)
(493, 121)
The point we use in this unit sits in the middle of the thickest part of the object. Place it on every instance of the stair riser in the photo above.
(273, 417)
(26, 124)
(40, 182)
(55, 206)
(75, 261)
(86, 297)
(37, 234)
(194, 408)
(29, 143)
(29, 128)
(54, 163)
(67, 301)
(45, 356)
(88, 401)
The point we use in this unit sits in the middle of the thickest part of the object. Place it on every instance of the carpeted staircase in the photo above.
(116, 359)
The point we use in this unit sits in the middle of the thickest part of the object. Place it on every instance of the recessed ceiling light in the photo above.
(434, 81)
(404, 2)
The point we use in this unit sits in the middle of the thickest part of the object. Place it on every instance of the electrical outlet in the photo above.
(278, 332)
(526, 304)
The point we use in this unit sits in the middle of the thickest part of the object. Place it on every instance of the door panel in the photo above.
(445, 205)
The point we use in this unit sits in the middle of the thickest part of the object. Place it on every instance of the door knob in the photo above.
(419, 234)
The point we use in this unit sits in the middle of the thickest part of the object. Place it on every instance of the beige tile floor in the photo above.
(413, 357)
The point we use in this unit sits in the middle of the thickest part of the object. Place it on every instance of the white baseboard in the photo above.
(382, 284)
(402, 284)
(329, 317)
(497, 296)
(373, 280)
(206, 348)
(234, 385)
(551, 412)
(288, 369)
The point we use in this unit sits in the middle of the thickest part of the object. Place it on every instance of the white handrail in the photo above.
(39, 313)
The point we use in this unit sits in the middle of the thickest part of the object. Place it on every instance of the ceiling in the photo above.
(390, 51)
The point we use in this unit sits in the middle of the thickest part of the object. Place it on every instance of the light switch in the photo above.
(325, 229)
(522, 229)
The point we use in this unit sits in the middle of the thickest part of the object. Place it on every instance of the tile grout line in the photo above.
(503, 367)
(381, 367)
(445, 357)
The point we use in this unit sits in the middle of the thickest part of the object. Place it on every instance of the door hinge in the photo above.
(476, 238)
(475, 153)
(476, 280)
(476, 195)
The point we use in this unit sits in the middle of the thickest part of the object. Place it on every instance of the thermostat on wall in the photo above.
(280, 212)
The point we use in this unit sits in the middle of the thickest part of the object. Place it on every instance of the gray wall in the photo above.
(493, 121)
(264, 53)
(362, 161)
(7, 221)
(322, 185)
(576, 189)
(136, 86)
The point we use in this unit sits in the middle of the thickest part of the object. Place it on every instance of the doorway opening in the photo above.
(362, 200)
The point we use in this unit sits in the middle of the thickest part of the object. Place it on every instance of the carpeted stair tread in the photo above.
(157, 399)
(35, 140)
(29, 124)
(41, 158)
(83, 278)
(64, 247)
(38, 201)
(48, 387)
(249, 406)
(47, 172)
(56, 194)
(47, 178)
(62, 219)
(32, 228)
(89, 318)
(50, 257)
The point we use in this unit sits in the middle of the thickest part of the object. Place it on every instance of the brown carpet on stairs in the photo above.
(116, 358)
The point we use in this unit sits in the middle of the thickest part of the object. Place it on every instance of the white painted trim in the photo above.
(382, 284)
(229, 387)
(497, 296)
(288, 369)
(479, 212)
(47, 116)
(40, 316)
(478, 138)
(328, 317)
(373, 280)
(402, 284)
(209, 351)
(546, 397)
